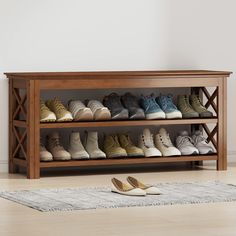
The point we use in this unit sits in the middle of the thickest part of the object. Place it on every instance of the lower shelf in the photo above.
(126, 161)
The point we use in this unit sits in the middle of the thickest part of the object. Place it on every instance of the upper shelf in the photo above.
(115, 74)
(127, 123)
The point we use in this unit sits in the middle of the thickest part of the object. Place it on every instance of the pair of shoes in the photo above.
(90, 149)
(125, 107)
(120, 145)
(53, 110)
(133, 188)
(163, 144)
(191, 107)
(94, 110)
(159, 108)
(54, 151)
(197, 144)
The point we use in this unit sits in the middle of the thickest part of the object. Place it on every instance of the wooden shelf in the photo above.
(126, 161)
(127, 123)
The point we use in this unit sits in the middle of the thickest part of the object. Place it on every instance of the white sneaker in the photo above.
(99, 111)
(55, 147)
(164, 144)
(147, 144)
(91, 146)
(79, 111)
(185, 144)
(76, 148)
(201, 143)
(45, 155)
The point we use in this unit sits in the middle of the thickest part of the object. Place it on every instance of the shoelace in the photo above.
(59, 106)
(130, 101)
(148, 141)
(185, 141)
(55, 142)
(200, 139)
(128, 141)
(166, 140)
(198, 102)
(186, 107)
(167, 102)
(114, 100)
(150, 102)
(94, 105)
(43, 107)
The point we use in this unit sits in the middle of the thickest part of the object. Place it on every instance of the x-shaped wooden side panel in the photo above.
(20, 101)
(20, 142)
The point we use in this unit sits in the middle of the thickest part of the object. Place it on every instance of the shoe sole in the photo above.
(48, 120)
(103, 115)
(156, 116)
(61, 159)
(138, 116)
(206, 114)
(117, 156)
(190, 115)
(135, 155)
(190, 154)
(65, 120)
(174, 115)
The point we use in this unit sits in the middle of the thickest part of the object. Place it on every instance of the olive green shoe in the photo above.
(112, 147)
(128, 145)
(45, 114)
(185, 107)
(198, 106)
(60, 110)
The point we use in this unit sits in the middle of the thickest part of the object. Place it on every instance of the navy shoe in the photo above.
(151, 108)
(113, 103)
(131, 103)
(167, 105)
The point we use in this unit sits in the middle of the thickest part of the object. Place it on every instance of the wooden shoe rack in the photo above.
(24, 113)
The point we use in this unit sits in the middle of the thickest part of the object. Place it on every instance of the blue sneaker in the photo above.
(151, 108)
(167, 105)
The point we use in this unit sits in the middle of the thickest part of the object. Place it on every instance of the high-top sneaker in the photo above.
(55, 147)
(147, 144)
(91, 146)
(99, 111)
(131, 103)
(164, 144)
(79, 111)
(185, 107)
(201, 143)
(151, 108)
(112, 147)
(113, 103)
(185, 144)
(45, 114)
(167, 105)
(197, 105)
(60, 110)
(127, 144)
(45, 155)
(76, 148)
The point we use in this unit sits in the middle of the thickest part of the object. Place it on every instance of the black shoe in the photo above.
(113, 103)
(131, 103)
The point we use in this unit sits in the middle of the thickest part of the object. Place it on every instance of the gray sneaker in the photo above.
(185, 107)
(131, 103)
(113, 103)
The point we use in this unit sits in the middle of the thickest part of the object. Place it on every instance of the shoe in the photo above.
(45, 155)
(164, 144)
(185, 144)
(54, 146)
(45, 114)
(125, 189)
(185, 107)
(59, 109)
(131, 103)
(131, 149)
(91, 146)
(198, 107)
(147, 144)
(113, 103)
(76, 148)
(149, 189)
(99, 111)
(201, 143)
(79, 111)
(151, 108)
(167, 105)
(112, 147)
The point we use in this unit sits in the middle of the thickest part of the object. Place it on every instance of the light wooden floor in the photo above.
(201, 219)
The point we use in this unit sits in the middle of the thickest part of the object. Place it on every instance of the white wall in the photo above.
(50, 35)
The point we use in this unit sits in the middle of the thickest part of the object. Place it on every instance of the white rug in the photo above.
(66, 199)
